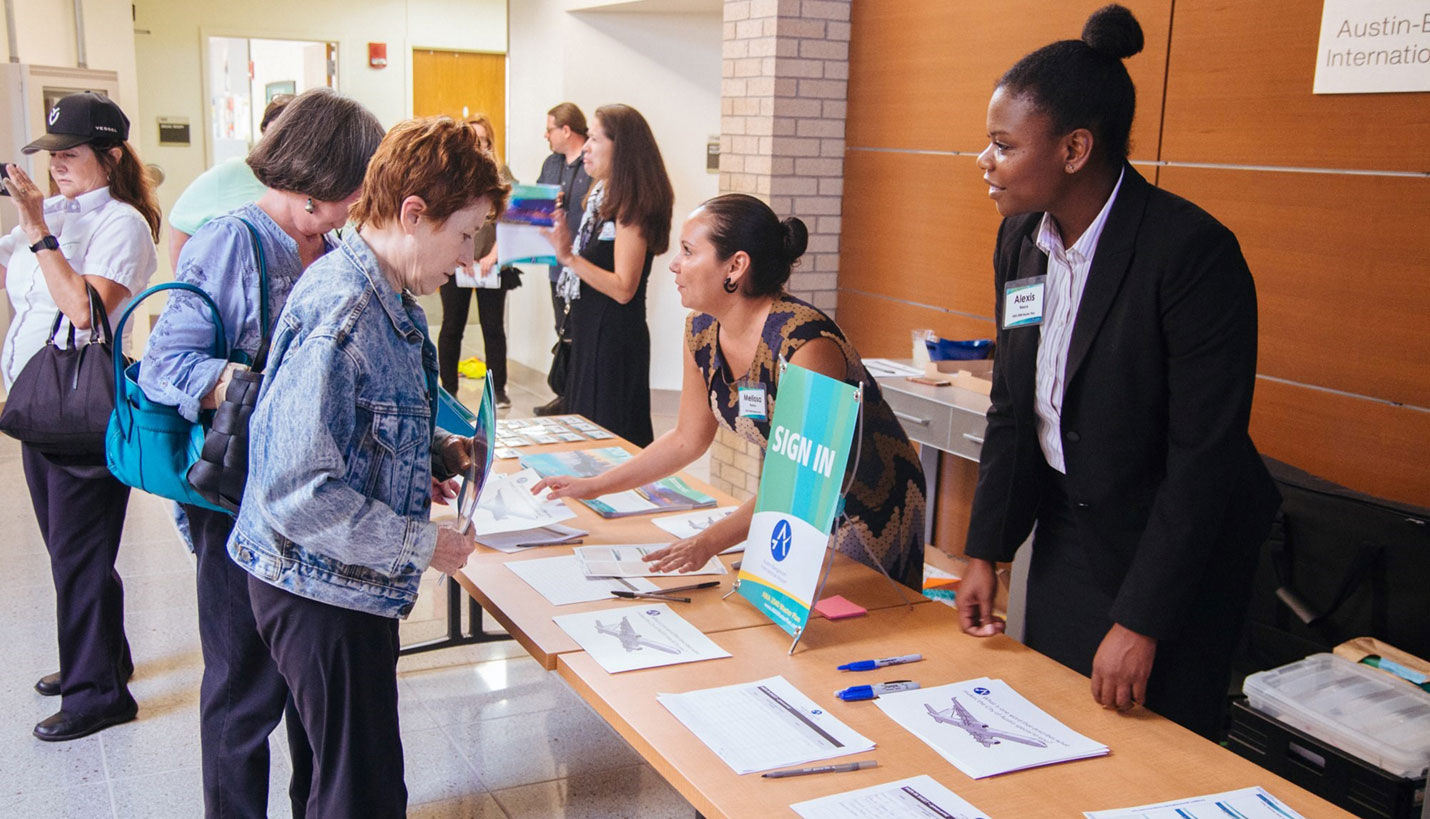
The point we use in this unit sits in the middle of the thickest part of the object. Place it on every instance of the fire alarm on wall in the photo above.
(377, 55)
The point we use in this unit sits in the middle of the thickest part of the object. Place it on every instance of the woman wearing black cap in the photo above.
(1121, 396)
(100, 231)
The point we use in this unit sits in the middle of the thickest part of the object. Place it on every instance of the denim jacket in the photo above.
(337, 503)
(179, 368)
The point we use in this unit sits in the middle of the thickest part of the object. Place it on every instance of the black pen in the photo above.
(709, 584)
(840, 768)
(648, 596)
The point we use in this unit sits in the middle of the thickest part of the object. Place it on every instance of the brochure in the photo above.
(986, 728)
(666, 495)
(644, 636)
(529, 209)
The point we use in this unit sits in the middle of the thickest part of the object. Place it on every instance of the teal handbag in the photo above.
(148, 445)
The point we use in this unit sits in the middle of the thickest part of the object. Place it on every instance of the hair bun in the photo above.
(1112, 30)
(795, 238)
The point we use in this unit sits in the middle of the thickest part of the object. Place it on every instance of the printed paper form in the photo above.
(918, 797)
(634, 637)
(1247, 803)
(762, 725)
(626, 560)
(691, 524)
(985, 728)
(561, 580)
(507, 505)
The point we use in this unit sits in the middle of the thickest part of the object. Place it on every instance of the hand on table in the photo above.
(683, 556)
(976, 593)
(1121, 667)
(453, 549)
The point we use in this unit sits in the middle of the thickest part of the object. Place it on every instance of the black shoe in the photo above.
(49, 685)
(63, 726)
(556, 406)
(502, 401)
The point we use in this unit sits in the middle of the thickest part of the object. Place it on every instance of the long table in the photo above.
(1151, 760)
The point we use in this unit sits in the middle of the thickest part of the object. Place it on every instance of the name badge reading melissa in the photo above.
(1023, 302)
(752, 402)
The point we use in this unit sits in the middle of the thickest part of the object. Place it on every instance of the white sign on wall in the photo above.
(1373, 47)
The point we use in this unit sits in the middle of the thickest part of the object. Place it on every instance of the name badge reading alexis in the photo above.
(1023, 302)
(752, 401)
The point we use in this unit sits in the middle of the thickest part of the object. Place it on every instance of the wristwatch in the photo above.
(47, 243)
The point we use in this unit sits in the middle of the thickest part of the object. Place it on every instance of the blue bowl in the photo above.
(944, 349)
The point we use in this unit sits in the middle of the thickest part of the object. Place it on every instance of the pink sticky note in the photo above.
(837, 608)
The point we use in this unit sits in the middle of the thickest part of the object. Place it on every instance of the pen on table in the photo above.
(840, 768)
(854, 693)
(870, 665)
(649, 596)
(709, 584)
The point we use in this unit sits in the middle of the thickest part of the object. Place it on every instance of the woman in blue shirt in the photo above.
(334, 528)
(312, 161)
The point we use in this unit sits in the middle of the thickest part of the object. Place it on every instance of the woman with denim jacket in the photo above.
(334, 527)
(312, 160)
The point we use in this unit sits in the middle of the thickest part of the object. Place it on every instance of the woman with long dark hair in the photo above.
(1120, 401)
(605, 269)
(99, 232)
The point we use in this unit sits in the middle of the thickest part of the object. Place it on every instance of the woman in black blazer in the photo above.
(1121, 396)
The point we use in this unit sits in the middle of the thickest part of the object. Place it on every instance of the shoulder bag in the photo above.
(61, 401)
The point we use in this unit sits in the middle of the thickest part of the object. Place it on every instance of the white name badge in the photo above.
(752, 402)
(608, 232)
(1023, 302)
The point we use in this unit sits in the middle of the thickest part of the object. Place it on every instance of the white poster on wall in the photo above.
(1373, 47)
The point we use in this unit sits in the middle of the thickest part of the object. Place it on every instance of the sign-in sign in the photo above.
(1373, 47)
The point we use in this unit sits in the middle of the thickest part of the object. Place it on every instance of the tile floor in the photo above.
(486, 732)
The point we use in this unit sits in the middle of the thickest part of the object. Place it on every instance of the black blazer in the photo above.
(1169, 493)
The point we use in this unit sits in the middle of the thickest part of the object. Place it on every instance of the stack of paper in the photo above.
(645, 636)
(1247, 803)
(985, 728)
(762, 725)
(561, 581)
(628, 560)
(666, 495)
(553, 535)
(918, 797)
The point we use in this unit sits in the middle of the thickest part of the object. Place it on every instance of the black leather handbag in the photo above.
(221, 471)
(61, 401)
(556, 377)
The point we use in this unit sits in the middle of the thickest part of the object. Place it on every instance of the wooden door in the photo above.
(461, 84)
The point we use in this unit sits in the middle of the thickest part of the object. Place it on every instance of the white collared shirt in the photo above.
(100, 236)
(1067, 277)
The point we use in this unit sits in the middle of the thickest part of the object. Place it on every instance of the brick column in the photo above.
(782, 105)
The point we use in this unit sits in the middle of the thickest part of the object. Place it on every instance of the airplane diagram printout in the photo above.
(561, 581)
(762, 725)
(634, 637)
(918, 797)
(986, 728)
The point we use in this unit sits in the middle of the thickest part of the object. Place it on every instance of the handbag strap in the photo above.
(98, 320)
(121, 407)
(260, 359)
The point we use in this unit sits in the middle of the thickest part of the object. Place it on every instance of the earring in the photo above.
(730, 286)
(1069, 168)
(309, 207)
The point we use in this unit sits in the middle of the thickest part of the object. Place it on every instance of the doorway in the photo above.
(246, 73)
(461, 84)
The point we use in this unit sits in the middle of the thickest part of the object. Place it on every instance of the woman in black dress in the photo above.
(605, 268)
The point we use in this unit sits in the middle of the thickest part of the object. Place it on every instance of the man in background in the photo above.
(566, 134)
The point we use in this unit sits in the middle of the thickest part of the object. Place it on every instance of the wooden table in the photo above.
(526, 615)
(1151, 760)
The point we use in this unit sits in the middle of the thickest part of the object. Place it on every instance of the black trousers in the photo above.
(81, 515)
(491, 312)
(1067, 617)
(242, 696)
(341, 665)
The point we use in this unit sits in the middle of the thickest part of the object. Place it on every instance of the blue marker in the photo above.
(870, 665)
(854, 693)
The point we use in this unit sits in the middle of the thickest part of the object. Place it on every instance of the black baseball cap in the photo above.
(80, 118)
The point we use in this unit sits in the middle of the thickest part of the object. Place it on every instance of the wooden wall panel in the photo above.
(1339, 262)
(923, 230)
(1239, 91)
(880, 327)
(957, 478)
(1366, 445)
(921, 71)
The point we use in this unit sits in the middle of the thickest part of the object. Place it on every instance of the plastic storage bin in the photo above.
(1351, 707)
